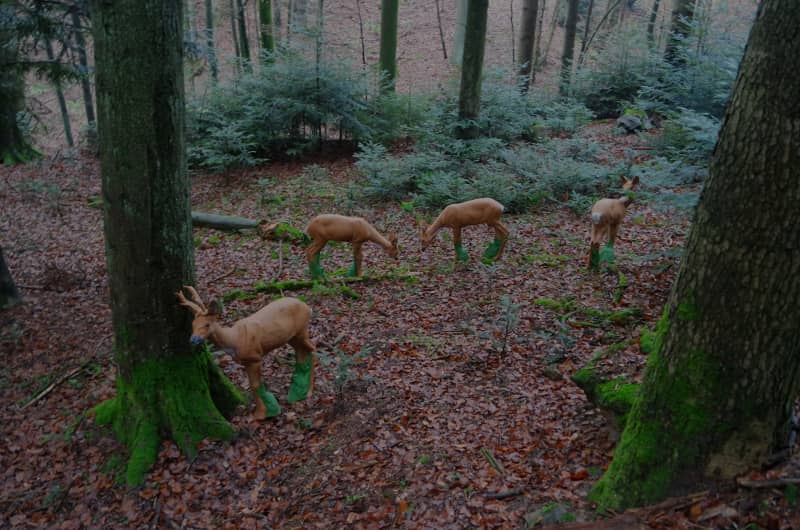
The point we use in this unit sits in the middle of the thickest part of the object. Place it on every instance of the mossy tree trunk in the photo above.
(527, 38)
(387, 60)
(8, 291)
(570, 29)
(265, 16)
(163, 386)
(680, 29)
(719, 387)
(469, 100)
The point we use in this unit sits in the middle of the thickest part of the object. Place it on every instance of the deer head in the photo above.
(204, 317)
(629, 184)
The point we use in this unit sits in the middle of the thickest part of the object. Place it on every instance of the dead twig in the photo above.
(504, 494)
(53, 385)
(218, 278)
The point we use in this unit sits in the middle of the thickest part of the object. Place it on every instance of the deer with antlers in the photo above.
(475, 212)
(357, 231)
(284, 321)
(606, 218)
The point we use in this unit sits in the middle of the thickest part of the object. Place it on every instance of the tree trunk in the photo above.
(244, 44)
(163, 386)
(234, 36)
(458, 37)
(14, 148)
(527, 37)
(682, 15)
(651, 23)
(586, 27)
(265, 15)
(62, 103)
(719, 389)
(387, 62)
(567, 55)
(86, 87)
(210, 47)
(469, 100)
(9, 296)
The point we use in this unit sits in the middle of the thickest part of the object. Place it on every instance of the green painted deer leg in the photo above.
(315, 268)
(301, 379)
(461, 254)
(494, 248)
(269, 401)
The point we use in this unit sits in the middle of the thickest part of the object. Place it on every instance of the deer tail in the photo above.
(597, 218)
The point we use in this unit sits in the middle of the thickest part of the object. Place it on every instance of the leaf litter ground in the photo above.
(427, 412)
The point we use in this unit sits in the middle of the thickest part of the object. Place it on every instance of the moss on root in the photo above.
(672, 407)
(183, 396)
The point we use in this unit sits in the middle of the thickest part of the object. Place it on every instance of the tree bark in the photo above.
(570, 29)
(387, 61)
(469, 101)
(86, 87)
(244, 43)
(14, 147)
(267, 37)
(720, 385)
(210, 46)
(651, 23)
(62, 103)
(682, 16)
(527, 38)
(458, 36)
(9, 296)
(163, 386)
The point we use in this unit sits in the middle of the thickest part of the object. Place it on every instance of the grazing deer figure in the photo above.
(284, 321)
(475, 212)
(607, 215)
(332, 227)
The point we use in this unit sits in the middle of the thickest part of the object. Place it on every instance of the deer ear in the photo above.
(214, 308)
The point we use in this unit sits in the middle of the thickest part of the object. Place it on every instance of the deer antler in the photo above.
(197, 307)
(195, 297)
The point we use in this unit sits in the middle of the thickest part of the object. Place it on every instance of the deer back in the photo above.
(271, 326)
(474, 212)
(609, 211)
(334, 227)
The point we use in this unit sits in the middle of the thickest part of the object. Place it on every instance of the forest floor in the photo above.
(443, 395)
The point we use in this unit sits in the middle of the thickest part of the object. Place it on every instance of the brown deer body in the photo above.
(475, 212)
(606, 218)
(284, 321)
(355, 230)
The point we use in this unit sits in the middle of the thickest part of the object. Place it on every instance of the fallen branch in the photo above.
(53, 385)
(222, 222)
(505, 494)
(760, 484)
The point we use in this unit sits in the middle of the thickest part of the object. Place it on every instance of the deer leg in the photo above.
(302, 385)
(461, 254)
(355, 270)
(496, 247)
(266, 404)
(312, 254)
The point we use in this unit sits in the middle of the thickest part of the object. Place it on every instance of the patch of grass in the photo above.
(568, 307)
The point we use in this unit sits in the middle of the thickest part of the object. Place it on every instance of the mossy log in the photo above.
(222, 222)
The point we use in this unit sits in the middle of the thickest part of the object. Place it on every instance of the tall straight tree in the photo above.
(163, 385)
(62, 102)
(83, 63)
(265, 15)
(458, 35)
(570, 29)
(527, 38)
(210, 47)
(241, 20)
(14, 147)
(8, 291)
(469, 99)
(680, 29)
(720, 385)
(387, 61)
(651, 23)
